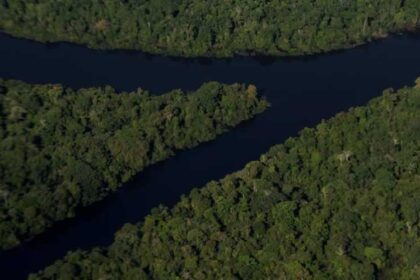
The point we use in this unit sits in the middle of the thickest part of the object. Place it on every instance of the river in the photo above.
(302, 91)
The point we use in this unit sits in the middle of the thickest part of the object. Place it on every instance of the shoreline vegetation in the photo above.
(63, 149)
(340, 201)
(189, 28)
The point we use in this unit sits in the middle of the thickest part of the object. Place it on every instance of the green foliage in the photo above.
(375, 255)
(62, 149)
(340, 201)
(201, 28)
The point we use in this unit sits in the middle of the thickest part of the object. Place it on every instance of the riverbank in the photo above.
(224, 28)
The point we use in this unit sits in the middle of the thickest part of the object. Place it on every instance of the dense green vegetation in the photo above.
(340, 201)
(217, 27)
(62, 149)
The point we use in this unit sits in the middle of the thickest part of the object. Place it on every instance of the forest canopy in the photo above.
(62, 149)
(210, 28)
(341, 201)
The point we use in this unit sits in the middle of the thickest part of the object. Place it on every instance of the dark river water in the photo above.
(302, 91)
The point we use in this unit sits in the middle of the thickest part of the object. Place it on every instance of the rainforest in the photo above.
(338, 202)
(62, 149)
(198, 28)
(252, 139)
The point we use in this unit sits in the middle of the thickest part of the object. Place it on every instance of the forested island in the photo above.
(200, 28)
(338, 202)
(62, 149)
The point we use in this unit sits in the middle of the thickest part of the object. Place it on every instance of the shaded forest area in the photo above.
(338, 202)
(62, 149)
(210, 28)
